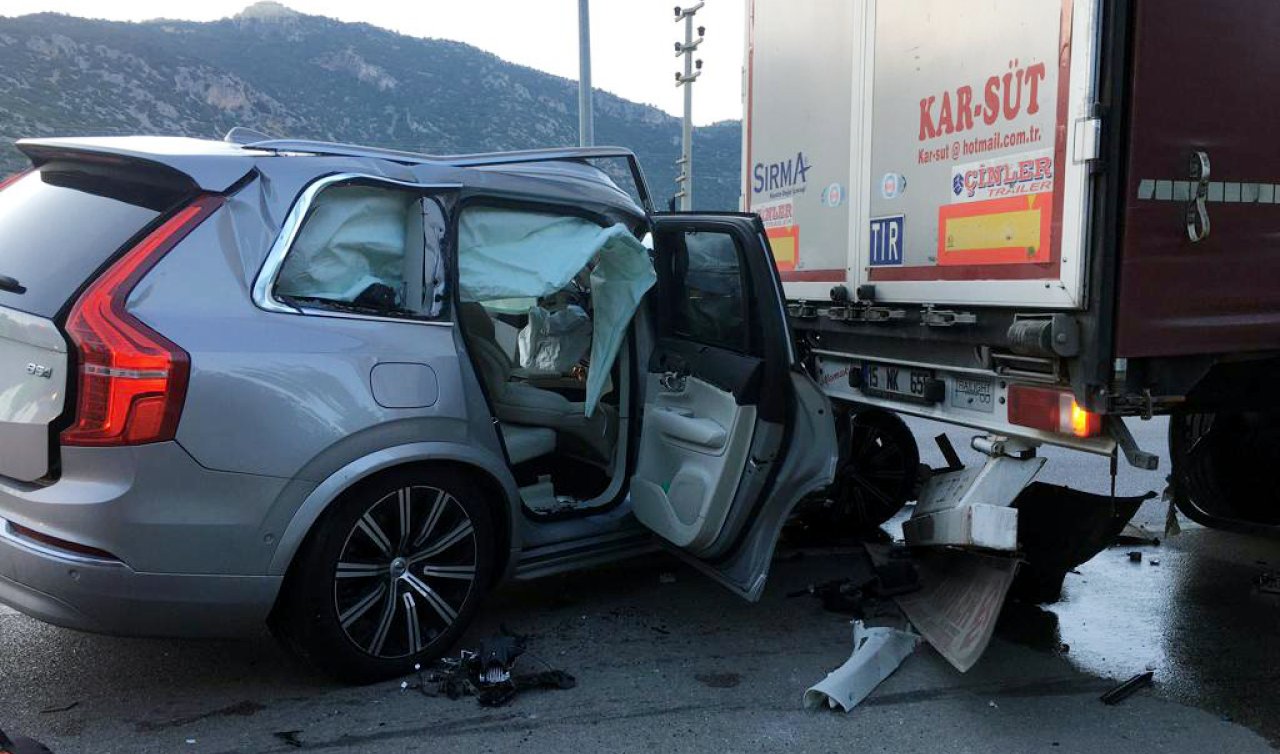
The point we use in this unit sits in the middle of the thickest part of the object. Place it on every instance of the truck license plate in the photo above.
(897, 382)
(973, 394)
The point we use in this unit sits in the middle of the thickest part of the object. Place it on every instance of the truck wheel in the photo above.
(879, 466)
(1222, 468)
(390, 577)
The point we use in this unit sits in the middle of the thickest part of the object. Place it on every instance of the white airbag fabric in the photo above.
(554, 342)
(354, 237)
(504, 254)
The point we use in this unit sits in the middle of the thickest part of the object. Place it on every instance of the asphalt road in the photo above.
(682, 665)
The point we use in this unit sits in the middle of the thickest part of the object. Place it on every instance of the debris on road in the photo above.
(666, 578)
(958, 603)
(1128, 688)
(487, 674)
(1268, 582)
(290, 737)
(21, 745)
(1135, 557)
(877, 652)
(1136, 534)
(1060, 528)
(60, 708)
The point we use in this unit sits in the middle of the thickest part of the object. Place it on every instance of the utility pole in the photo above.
(586, 117)
(692, 69)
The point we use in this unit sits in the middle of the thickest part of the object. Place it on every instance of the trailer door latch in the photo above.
(1197, 208)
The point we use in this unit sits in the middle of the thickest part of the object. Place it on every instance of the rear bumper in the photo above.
(188, 547)
(107, 597)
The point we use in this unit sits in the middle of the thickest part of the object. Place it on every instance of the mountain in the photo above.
(289, 74)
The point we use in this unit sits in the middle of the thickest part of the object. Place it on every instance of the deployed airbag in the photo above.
(356, 237)
(554, 342)
(505, 254)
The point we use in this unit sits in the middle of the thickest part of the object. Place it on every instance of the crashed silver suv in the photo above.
(346, 391)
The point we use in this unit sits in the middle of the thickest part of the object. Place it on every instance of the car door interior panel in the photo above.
(693, 447)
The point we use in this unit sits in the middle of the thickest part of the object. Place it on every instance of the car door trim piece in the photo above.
(263, 294)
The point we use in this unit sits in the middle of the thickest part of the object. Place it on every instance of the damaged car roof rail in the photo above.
(481, 159)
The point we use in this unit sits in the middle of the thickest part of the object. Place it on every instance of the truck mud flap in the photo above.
(1058, 529)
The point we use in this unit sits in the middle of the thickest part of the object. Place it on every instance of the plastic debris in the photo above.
(959, 601)
(877, 652)
(487, 674)
(1128, 688)
(1268, 583)
(20, 745)
(290, 737)
(1136, 534)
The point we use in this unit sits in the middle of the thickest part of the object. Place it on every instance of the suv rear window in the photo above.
(59, 225)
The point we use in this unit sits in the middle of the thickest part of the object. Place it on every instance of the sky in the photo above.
(632, 53)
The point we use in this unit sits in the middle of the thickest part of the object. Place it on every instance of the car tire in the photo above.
(879, 468)
(390, 576)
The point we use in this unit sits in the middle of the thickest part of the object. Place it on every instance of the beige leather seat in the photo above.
(519, 403)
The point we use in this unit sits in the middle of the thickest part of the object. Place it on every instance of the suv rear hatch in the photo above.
(60, 224)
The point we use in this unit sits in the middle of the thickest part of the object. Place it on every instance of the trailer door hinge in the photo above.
(802, 310)
(946, 318)
(871, 314)
(1088, 140)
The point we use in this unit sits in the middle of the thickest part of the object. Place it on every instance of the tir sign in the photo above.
(886, 241)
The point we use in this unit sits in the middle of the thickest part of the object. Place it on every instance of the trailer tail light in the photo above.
(132, 380)
(1052, 411)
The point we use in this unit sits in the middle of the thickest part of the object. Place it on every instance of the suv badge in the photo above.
(39, 370)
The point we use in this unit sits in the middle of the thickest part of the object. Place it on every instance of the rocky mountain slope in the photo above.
(288, 74)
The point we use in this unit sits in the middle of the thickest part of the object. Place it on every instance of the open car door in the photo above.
(734, 432)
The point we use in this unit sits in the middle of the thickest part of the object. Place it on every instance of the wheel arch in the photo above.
(489, 473)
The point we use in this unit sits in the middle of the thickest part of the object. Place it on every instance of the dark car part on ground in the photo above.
(1058, 529)
(488, 674)
(21, 745)
(892, 578)
(1128, 688)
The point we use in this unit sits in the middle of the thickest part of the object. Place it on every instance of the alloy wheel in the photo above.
(406, 569)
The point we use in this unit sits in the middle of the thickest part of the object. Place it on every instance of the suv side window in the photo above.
(368, 250)
(712, 309)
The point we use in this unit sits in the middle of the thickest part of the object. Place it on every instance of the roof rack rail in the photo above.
(480, 159)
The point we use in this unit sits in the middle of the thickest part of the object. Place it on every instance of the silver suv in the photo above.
(345, 391)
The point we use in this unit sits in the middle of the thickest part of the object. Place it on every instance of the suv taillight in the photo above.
(132, 380)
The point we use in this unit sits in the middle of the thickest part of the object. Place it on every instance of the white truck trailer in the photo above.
(1033, 218)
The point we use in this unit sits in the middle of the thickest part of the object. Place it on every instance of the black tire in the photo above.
(408, 586)
(1222, 466)
(879, 468)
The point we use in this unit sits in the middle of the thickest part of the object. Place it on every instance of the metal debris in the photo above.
(1128, 688)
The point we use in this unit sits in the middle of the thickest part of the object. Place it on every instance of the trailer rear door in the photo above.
(968, 131)
(1203, 80)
